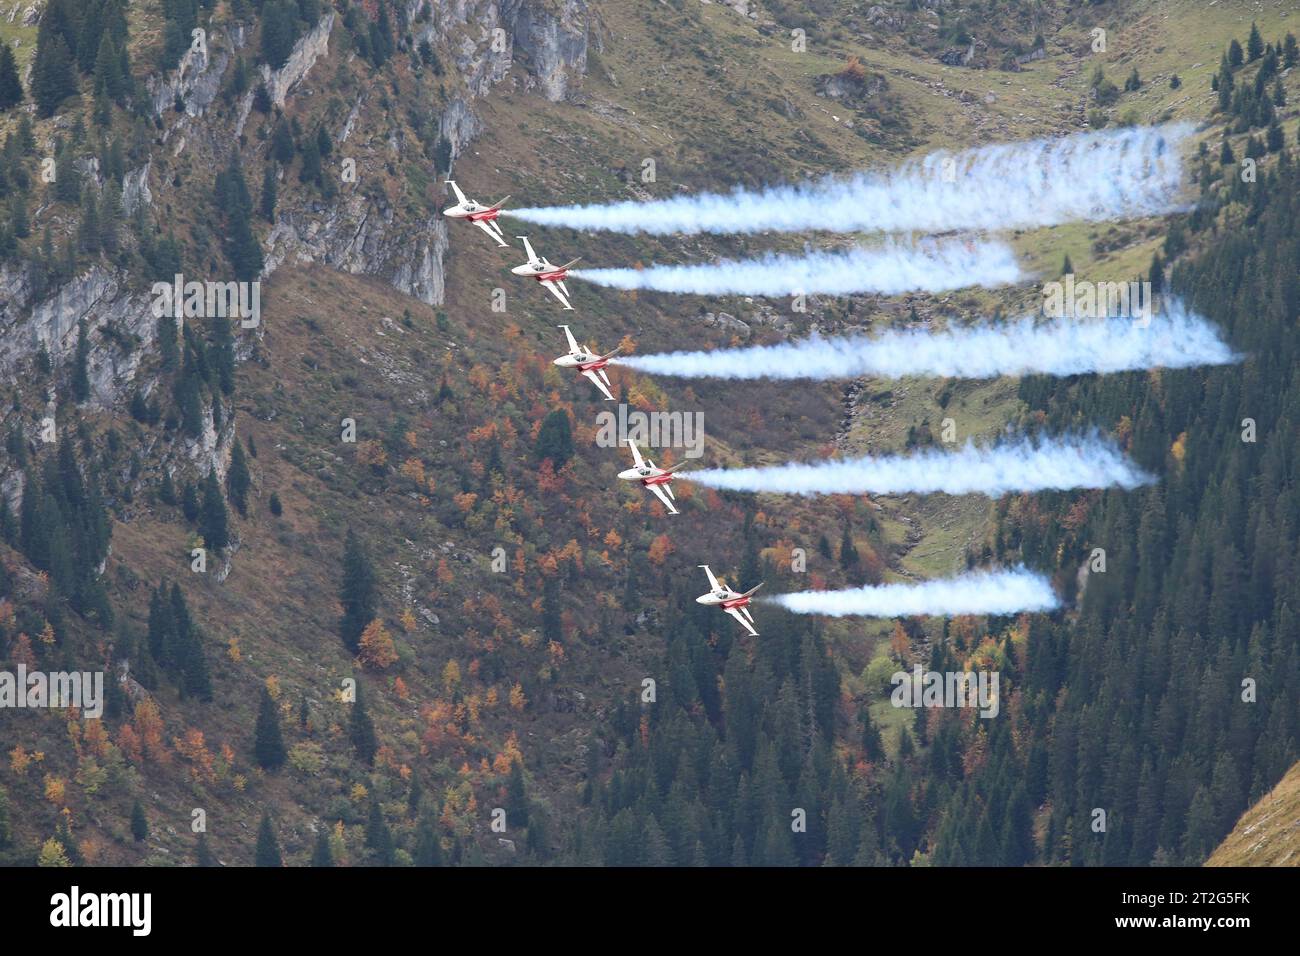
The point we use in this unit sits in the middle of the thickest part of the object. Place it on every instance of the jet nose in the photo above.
(558, 361)
(702, 599)
(520, 270)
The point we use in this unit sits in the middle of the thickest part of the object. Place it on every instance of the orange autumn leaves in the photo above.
(376, 649)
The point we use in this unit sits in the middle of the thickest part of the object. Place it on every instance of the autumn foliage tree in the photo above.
(376, 647)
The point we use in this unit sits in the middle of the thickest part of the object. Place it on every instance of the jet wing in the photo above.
(598, 383)
(555, 290)
(460, 196)
(713, 582)
(659, 493)
(568, 334)
(735, 612)
(487, 227)
(636, 454)
(528, 248)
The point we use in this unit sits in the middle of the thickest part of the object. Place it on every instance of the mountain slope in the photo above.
(527, 594)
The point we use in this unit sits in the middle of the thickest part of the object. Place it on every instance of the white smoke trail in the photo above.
(889, 269)
(1112, 174)
(1174, 339)
(977, 592)
(1050, 464)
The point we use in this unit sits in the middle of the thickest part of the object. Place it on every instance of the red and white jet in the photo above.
(734, 604)
(587, 362)
(549, 275)
(656, 479)
(485, 217)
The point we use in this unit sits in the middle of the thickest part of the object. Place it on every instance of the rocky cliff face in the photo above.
(359, 231)
(552, 39)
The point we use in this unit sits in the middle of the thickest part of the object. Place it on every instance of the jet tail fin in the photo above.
(753, 589)
(499, 203)
(681, 464)
(613, 353)
(570, 264)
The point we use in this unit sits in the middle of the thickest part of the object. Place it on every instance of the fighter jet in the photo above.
(656, 479)
(485, 217)
(588, 362)
(734, 604)
(549, 275)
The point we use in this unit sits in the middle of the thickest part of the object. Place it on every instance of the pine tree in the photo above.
(555, 439)
(190, 502)
(167, 345)
(109, 79)
(188, 657)
(88, 234)
(139, 824)
(279, 32)
(1274, 138)
(442, 156)
(321, 854)
(1234, 54)
(1254, 44)
(358, 593)
(283, 149)
(381, 36)
(428, 847)
(269, 195)
(311, 165)
(181, 19)
(67, 176)
(213, 522)
(1156, 275)
(324, 145)
(162, 627)
(262, 99)
(362, 732)
(517, 796)
(111, 218)
(268, 743)
(235, 207)
(80, 369)
(54, 75)
(237, 478)
(268, 847)
(11, 87)
(552, 629)
(848, 550)
(202, 854)
(378, 836)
